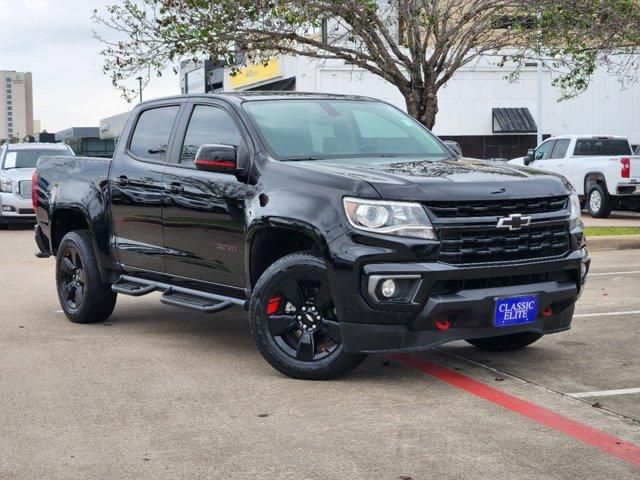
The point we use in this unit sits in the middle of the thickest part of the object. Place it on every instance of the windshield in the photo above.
(328, 128)
(29, 158)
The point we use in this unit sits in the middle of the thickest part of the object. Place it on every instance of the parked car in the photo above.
(17, 164)
(342, 224)
(602, 169)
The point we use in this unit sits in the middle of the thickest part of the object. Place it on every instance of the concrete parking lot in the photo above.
(158, 392)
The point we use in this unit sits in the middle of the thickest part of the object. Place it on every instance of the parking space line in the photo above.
(588, 435)
(606, 314)
(632, 272)
(604, 393)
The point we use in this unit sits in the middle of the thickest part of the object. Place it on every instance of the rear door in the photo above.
(137, 192)
(204, 217)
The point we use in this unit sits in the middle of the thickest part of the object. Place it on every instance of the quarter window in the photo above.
(150, 138)
(208, 125)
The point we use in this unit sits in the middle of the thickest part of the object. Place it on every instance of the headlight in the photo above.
(576, 211)
(402, 219)
(5, 185)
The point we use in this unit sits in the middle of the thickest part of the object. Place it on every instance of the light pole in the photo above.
(140, 86)
(539, 81)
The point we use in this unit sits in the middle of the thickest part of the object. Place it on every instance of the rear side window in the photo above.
(560, 148)
(588, 147)
(151, 135)
(208, 125)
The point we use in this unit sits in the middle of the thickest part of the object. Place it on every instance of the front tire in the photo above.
(83, 297)
(293, 320)
(599, 203)
(506, 343)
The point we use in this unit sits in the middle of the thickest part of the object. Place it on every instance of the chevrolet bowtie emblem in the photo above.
(515, 221)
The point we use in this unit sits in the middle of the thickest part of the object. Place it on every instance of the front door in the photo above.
(203, 216)
(137, 191)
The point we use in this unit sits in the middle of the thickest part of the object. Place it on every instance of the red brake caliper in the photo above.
(273, 305)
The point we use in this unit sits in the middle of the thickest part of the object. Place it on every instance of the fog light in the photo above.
(7, 208)
(388, 289)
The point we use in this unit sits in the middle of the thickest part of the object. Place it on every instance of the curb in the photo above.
(613, 242)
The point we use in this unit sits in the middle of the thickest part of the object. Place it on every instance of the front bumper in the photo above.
(16, 209)
(465, 298)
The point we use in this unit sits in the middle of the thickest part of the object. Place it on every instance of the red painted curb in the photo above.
(602, 441)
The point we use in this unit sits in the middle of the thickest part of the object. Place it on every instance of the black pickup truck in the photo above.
(341, 224)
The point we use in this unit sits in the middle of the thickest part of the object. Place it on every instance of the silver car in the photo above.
(17, 164)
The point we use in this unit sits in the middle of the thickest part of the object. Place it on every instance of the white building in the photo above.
(16, 104)
(468, 102)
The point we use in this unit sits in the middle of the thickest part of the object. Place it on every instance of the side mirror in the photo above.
(454, 147)
(529, 158)
(217, 158)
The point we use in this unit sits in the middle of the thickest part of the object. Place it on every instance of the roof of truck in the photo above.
(37, 146)
(600, 137)
(266, 95)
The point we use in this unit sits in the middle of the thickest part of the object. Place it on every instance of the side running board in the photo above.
(177, 296)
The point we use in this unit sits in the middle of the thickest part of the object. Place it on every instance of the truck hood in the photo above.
(17, 174)
(454, 179)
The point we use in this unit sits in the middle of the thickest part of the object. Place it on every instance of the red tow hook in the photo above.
(546, 312)
(442, 325)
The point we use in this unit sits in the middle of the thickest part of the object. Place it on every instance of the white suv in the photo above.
(17, 164)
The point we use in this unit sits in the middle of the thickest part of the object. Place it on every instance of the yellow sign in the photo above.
(255, 73)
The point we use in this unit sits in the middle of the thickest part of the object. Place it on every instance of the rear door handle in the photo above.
(176, 188)
(123, 180)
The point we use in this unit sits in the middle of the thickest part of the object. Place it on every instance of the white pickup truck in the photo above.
(602, 169)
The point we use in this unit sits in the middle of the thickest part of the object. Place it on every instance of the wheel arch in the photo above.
(67, 219)
(593, 178)
(272, 239)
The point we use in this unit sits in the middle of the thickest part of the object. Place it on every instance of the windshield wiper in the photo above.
(301, 159)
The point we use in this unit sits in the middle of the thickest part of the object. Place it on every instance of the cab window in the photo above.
(543, 152)
(208, 125)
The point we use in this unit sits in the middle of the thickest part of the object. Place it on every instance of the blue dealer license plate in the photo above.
(515, 311)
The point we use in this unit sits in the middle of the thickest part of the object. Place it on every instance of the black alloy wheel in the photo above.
(83, 297)
(294, 321)
(72, 279)
(302, 319)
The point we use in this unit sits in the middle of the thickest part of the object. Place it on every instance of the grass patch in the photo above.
(602, 231)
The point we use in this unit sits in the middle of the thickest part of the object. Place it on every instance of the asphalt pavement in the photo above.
(158, 392)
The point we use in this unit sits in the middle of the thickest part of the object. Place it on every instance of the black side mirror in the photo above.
(529, 158)
(217, 158)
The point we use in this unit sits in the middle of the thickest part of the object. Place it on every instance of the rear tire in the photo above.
(599, 203)
(293, 321)
(505, 343)
(83, 297)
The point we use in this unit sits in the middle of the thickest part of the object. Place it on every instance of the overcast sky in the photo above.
(52, 39)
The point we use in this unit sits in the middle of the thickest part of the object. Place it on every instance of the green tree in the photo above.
(416, 45)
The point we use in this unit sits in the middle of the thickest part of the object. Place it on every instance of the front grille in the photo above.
(497, 208)
(472, 244)
(26, 211)
(24, 188)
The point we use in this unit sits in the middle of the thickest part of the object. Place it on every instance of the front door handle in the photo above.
(176, 188)
(123, 181)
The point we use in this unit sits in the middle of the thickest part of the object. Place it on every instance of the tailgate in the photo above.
(635, 168)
